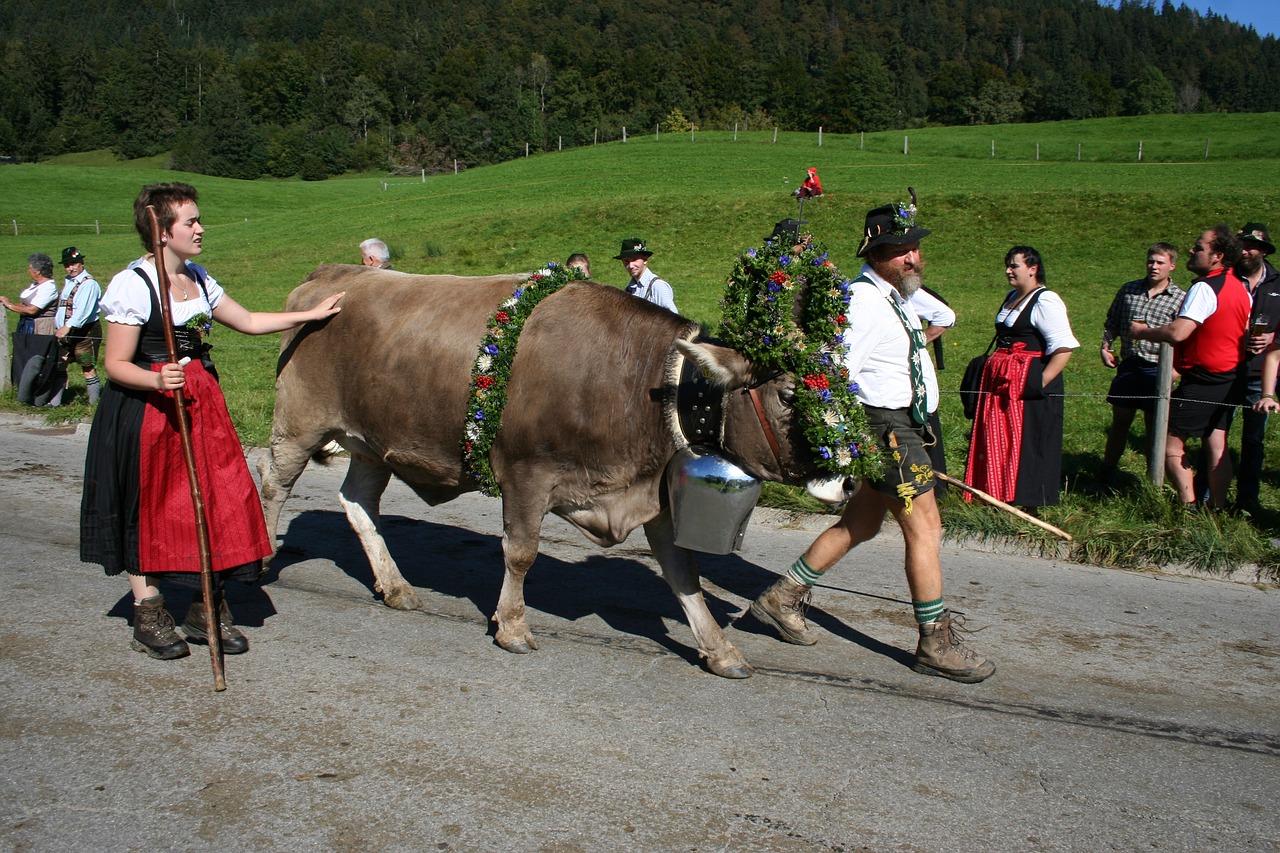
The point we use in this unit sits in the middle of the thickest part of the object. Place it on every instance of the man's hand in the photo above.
(1108, 358)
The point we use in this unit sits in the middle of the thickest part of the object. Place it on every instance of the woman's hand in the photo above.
(171, 377)
(328, 307)
(1267, 405)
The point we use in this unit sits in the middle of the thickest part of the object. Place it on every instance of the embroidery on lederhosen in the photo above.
(920, 473)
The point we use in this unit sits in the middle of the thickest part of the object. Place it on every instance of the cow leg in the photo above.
(521, 529)
(681, 572)
(278, 469)
(361, 496)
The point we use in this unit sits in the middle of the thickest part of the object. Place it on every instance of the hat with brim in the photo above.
(1256, 233)
(787, 229)
(891, 225)
(632, 247)
(71, 255)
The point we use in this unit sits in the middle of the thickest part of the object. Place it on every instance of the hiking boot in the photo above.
(941, 652)
(197, 629)
(782, 606)
(153, 631)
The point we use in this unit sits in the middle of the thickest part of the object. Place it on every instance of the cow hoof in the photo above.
(520, 647)
(730, 668)
(402, 599)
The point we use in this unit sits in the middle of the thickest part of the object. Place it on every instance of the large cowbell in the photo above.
(711, 500)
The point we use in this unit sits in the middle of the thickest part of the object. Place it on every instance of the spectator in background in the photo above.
(1262, 281)
(644, 283)
(79, 329)
(579, 261)
(374, 253)
(1154, 300)
(1016, 451)
(35, 349)
(1207, 332)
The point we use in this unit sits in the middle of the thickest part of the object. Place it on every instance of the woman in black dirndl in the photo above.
(136, 511)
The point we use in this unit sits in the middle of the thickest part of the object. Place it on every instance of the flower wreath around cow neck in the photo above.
(492, 369)
(785, 309)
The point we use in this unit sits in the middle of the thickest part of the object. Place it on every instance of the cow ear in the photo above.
(722, 366)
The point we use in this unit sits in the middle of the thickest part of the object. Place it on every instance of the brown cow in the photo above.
(585, 432)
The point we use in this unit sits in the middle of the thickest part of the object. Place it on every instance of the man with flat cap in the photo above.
(644, 283)
(1262, 281)
(887, 359)
(78, 327)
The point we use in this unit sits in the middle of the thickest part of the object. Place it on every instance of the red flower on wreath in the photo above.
(817, 382)
(779, 277)
(502, 317)
(841, 319)
(484, 381)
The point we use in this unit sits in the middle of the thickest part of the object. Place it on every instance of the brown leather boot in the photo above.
(942, 653)
(197, 629)
(782, 606)
(153, 631)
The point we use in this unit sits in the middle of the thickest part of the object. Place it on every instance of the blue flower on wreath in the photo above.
(479, 415)
(825, 395)
(774, 287)
(853, 388)
(491, 349)
(825, 452)
(519, 291)
(751, 253)
(817, 262)
(785, 261)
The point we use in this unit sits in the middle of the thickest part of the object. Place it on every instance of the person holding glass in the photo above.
(1015, 453)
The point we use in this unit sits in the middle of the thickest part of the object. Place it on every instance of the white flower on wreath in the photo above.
(484, 362)
(473, 431)
(830, 418)
(844, 457)
(510, 303)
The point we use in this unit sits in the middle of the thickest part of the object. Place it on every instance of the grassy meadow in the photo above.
(1087, 204)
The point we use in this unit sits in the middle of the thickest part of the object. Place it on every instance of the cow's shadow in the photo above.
(622, 585)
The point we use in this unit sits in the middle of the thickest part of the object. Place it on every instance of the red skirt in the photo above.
(137, 513)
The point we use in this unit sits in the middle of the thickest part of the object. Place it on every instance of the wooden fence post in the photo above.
(775, 134)
(905, 148)
(1160, 423)
(819, 136)
(624, 134)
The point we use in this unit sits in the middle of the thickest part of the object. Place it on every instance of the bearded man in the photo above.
(897, 386)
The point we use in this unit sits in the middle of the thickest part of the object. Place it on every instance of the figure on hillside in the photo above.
(374, 253)
(1015, 453)
(889, 363)
(78, 327)
(136, 513)
(1153, 300)
(35, 347)
(1208, 334)
(644, 283)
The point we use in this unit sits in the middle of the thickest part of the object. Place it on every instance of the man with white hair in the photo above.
(374, 253)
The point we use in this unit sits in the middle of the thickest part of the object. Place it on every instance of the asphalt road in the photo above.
(1129, 712)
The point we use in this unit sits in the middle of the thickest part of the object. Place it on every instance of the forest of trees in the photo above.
(245, 88)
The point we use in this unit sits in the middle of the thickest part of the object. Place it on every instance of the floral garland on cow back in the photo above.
(492, 369)
(784, 309)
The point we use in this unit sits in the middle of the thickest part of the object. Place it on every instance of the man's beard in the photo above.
(1250, 265)
(908, 283)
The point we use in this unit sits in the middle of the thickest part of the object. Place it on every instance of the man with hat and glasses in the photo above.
(1262, 281)
(644, 283)
(895, 381)
(79, 329)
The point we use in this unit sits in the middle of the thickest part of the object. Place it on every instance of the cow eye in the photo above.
(787, 396)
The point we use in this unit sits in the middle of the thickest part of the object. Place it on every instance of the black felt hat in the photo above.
(1256, 232)
(891, 224)
(632, 247)
(71, 255)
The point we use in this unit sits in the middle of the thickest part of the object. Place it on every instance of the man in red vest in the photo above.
(1208, 334)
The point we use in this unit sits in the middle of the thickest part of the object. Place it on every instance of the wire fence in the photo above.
(19, 229)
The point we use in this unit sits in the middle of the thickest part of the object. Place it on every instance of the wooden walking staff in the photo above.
(996, 502)
(213, 627)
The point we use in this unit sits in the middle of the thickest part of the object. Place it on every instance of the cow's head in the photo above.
(759, 432)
